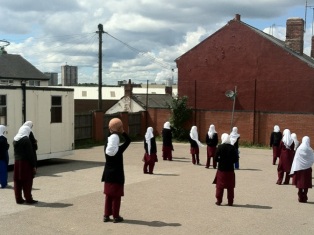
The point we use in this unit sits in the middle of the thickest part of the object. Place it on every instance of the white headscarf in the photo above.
(276, 128)
(149, 134)
(29, 124)
(286, 139)
(211, 131)
(167, 125)
(304, 156)
(295, 140)
(194, 136)
(112, 145)
(2, 130)
(23, 131)
(234, 135)
(225, 138)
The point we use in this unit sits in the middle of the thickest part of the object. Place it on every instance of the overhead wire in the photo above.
(152, 58)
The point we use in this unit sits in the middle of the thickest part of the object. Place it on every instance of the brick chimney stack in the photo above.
(128, 89)
(295, 35)
(237, 17)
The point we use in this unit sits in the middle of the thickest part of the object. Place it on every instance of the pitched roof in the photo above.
(305, 58)
(16, 67)
(154, 100)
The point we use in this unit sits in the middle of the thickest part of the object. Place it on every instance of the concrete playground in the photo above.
(178, 199)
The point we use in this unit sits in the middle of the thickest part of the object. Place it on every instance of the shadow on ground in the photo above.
(151, 223)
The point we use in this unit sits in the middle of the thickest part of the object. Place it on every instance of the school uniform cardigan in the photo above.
(212, 142)
(226, 155)
(153, 147)
(23, 150)
(167, 137)
(114, 172)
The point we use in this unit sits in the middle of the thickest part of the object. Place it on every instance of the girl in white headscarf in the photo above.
(295, 140)
(302, 168)
(150, 156)
(24, 166)
(194, 145)
(167, 146)
(286, 157)
(4, 157)
(211, 141)
(234, 139)
(274, 143)
(226, 155)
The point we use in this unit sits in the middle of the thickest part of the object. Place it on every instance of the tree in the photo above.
(180, 114)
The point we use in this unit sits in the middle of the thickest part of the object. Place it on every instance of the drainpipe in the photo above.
(23, 83)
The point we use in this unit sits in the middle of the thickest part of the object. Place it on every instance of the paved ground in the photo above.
(178, 199)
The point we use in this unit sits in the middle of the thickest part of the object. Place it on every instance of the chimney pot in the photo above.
(237, 17)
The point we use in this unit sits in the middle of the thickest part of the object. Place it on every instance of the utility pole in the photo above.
(100, 32)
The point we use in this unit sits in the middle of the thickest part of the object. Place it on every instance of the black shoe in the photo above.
(218, 203)
(118, 219)
(31, 202)
(20, 201)
(106, 218)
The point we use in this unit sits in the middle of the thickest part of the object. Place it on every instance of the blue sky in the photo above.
(53, 33)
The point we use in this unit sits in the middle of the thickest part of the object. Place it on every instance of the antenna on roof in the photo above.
(3, 44)
(312, 7)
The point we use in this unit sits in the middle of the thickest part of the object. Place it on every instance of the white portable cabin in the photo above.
(26, 96)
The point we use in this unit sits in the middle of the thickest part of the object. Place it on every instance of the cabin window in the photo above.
(56, 109)
(3, 110)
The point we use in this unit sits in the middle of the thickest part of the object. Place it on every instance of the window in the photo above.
(34, 83)
(84, 93)
(56, 109)
(112, 94)
(3, 109)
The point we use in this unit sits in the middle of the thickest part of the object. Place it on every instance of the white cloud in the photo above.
(52, 33)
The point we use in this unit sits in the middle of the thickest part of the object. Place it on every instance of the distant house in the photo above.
(157, 106)
(273, 81)
(25, 95)
(86, 98)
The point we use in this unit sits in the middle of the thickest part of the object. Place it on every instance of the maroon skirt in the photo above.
(23, 170)
(166, 151)
(276, 151)
(224, 179)
(194, 150)
(114, 190)
(150, 158)
(211, 151)
(302, 179)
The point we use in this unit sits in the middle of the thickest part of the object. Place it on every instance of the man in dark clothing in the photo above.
(226, 156)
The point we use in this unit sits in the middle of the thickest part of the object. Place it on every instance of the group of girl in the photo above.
(295, 160)
(211, 142)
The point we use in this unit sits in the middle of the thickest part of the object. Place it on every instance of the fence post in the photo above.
(98, 125)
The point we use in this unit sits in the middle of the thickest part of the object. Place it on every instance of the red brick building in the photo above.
(274, 81)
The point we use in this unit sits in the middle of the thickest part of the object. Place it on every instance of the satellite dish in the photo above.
(230, 94)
